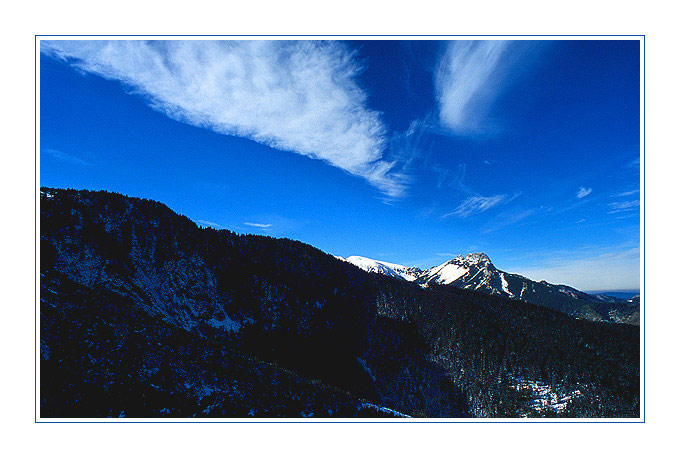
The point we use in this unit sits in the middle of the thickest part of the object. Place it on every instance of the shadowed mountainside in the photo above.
(144, 314)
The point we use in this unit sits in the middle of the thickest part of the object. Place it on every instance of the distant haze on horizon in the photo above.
(410, 152)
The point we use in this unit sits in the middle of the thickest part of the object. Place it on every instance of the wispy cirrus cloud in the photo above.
(627, 205)
(583, 192)
(464, 83)
(258, 225)
(300, 96)
(479, 204)
(626, 193)
(634, 164)
(472, 74)
(512, 218)
(64, 157)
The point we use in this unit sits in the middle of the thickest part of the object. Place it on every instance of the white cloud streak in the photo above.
(479, 204)
(64, 157)
(297, 96)
(635, 163)
(623, 206)
(258, 225)
(464, 83)
(627, 193)
(512, 218)
(582, 192)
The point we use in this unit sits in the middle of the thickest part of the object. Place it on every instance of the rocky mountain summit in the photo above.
(476, 272)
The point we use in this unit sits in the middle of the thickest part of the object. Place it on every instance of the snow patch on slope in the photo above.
(448, 272)
(382, 267)
(504, 284)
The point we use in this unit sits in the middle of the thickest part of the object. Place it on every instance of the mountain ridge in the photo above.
(475, 271)
(383, 267)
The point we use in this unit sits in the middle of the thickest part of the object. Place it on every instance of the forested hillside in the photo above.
(144, 314)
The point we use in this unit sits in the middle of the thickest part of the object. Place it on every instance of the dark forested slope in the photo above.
(144, 314)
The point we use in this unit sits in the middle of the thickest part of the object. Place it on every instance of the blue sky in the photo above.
(406, 151)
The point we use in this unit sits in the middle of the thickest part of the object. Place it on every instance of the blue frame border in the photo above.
(642, 420)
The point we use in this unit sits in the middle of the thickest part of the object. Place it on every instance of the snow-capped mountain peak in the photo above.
(475, 271)
(472, 271)
(474, 258)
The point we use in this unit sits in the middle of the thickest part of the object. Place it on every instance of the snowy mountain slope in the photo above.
(445, 273)
(385, 268)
